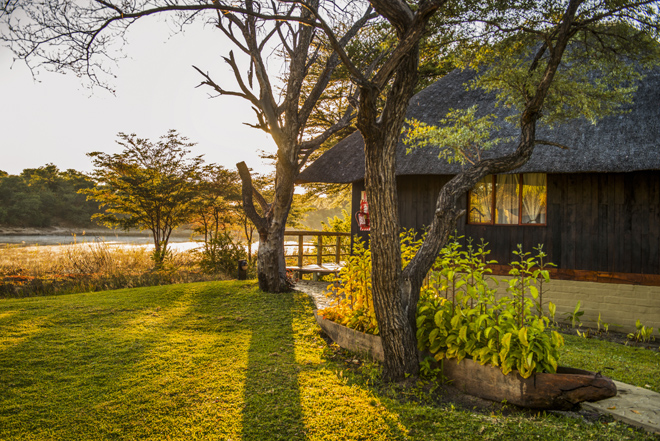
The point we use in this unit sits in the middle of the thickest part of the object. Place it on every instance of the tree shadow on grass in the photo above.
(72, 362)
(272, 407)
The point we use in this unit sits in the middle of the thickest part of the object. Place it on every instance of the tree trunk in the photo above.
(381, 135)
(271, 265)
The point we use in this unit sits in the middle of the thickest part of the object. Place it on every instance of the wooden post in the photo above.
(338, 251)
(319, 256)
(301, 250)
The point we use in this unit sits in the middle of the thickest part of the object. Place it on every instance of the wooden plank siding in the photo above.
(599, 222)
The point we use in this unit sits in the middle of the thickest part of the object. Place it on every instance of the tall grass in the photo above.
(91, 266)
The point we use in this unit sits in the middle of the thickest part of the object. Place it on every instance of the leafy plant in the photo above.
(642, 334)
(552, 308)
(353, 285)
(221, 254)
(585, 334)
(429, 369)
(605, 326)
(574, 317)
(458, 313)
(504, 333)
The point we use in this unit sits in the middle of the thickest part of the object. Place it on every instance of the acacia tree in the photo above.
(148, 186)
(532, 81)
(214, 207)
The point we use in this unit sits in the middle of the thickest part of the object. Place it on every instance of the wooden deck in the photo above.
(326, 268)
(320, 258)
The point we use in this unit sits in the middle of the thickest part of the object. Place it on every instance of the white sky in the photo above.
(57, 120)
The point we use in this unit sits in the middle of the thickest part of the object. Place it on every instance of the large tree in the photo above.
(525, 42)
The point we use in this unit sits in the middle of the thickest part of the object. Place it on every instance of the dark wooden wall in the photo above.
(607, 222)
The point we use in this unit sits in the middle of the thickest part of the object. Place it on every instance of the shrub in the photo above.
(221, 255)
(352, 285)
(458, 313)
(505, 332)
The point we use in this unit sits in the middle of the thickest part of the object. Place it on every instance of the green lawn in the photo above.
(217, 360)
(632, 365)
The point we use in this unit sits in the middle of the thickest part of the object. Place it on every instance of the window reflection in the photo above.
(534, 198)
(512, 206)
(481, 202)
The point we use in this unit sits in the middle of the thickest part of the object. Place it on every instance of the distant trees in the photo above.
(45, 197)
(148, 186)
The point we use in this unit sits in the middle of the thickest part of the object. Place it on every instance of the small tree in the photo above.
(147, 186)
(217, 204)
(216, 211)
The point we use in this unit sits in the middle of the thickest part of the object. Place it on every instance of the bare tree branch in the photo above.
(248, 205)
(230, 33)
(336, 46)
(331, 65)
(216, 87)
(262, 125)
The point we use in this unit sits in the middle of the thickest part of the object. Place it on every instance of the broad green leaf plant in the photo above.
(459, 315)
(462, 318)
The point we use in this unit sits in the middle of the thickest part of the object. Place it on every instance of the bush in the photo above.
(221, 255)
(458, 314)
(461, 318)
(353, 286)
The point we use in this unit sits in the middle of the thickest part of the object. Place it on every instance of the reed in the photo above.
(91, 266)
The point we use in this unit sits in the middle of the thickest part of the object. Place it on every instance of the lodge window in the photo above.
(497, 200)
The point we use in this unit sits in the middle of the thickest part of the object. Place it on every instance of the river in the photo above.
(177, 242)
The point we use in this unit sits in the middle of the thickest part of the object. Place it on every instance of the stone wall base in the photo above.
(619, 305)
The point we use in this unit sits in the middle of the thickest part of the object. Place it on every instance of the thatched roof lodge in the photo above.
(599, 213)
(622, 143)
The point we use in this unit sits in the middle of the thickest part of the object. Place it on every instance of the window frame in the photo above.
(493, 203)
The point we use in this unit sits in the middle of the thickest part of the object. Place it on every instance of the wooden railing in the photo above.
(319, 262)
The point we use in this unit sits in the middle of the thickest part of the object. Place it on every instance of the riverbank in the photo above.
(89, 265)
(79, 231)
(65, 235)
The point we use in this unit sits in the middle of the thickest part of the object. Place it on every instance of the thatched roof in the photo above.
(621, 143)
